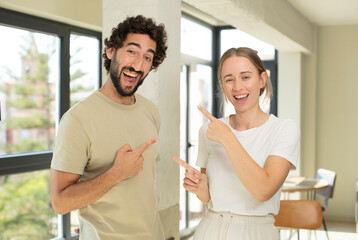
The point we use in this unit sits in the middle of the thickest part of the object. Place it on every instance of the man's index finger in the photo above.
(146, 145)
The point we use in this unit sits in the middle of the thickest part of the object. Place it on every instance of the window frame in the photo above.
(188, 61)
(25, 162)
(28, 162)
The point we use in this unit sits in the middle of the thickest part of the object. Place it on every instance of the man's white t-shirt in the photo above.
(274, 137)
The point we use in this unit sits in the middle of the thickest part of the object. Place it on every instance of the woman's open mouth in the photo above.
(242, 98)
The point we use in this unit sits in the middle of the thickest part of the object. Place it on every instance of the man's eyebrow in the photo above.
(139, 46)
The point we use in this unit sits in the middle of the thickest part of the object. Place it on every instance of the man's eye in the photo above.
(131, 52)
(148, 59)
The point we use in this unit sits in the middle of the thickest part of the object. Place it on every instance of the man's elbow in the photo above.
(58, 207)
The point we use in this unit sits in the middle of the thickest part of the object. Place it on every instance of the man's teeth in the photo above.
(131, 75)
(240, 96)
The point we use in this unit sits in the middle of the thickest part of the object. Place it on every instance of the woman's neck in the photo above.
(248, 120)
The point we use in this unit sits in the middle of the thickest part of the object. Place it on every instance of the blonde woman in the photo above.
(244, 158)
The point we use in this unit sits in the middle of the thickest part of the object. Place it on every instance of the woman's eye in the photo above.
(228, 80)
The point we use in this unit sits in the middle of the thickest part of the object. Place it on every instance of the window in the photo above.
(45, 67)
(195, 89)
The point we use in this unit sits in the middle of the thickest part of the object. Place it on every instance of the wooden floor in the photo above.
(336, 231)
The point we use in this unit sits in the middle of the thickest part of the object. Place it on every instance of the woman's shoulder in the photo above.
(284, 124)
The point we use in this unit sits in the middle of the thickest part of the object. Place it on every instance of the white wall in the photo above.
(337, 114)
(289, 90)
(80, 13)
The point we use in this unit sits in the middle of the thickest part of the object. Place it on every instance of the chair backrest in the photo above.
(299, 214)
(330, 177)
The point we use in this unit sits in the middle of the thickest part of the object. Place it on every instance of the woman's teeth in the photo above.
(240, 96)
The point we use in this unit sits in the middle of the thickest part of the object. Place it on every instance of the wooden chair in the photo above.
(299, 214)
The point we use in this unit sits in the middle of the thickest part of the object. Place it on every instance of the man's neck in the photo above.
(110, 91)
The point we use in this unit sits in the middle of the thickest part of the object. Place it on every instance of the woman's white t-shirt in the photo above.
(274, 137)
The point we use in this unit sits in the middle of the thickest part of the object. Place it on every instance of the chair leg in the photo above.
(325, 227)
(298, 234)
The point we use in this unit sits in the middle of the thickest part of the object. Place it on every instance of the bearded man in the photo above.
(106, 147)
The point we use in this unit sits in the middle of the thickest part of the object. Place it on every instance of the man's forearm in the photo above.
(81, 194)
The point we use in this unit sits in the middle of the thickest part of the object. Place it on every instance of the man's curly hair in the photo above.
(142, 25)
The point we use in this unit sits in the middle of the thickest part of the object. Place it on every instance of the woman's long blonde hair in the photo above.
(255, 59)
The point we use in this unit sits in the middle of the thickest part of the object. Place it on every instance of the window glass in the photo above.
(25, 207)
(29, 109)
(84, 74)
(199, 87)
(83, 67)
(183, 143)
(196, 40)
(28, 89)
(195, 89)
(200, 91)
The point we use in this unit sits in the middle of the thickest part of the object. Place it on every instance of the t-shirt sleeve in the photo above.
(203, 150)
(287, 143)
(71, 146)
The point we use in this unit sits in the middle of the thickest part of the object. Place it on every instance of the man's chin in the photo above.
(127, 92)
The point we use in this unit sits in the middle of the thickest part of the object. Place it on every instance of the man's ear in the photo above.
(110, 52)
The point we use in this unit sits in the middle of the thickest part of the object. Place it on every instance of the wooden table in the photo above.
(303, 184)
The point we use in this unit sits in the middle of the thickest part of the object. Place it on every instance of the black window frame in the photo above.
(28, 162)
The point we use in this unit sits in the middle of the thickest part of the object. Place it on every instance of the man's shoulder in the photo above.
(85, 106)
(146, 103)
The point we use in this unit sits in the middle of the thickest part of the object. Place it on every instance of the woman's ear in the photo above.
(110, 52)
(263, 79)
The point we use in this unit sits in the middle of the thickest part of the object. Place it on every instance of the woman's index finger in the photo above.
(206, 113)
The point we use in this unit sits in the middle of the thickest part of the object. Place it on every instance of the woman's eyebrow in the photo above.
(228, 75)
(245, 72)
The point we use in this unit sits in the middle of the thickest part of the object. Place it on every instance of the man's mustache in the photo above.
(133, 70)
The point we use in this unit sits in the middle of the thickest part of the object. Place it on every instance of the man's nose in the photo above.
(137, 63)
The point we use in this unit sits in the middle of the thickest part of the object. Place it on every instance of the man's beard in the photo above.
(116, 80)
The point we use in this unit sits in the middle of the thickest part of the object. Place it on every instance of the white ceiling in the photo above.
(328, 12)
(320, 12)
